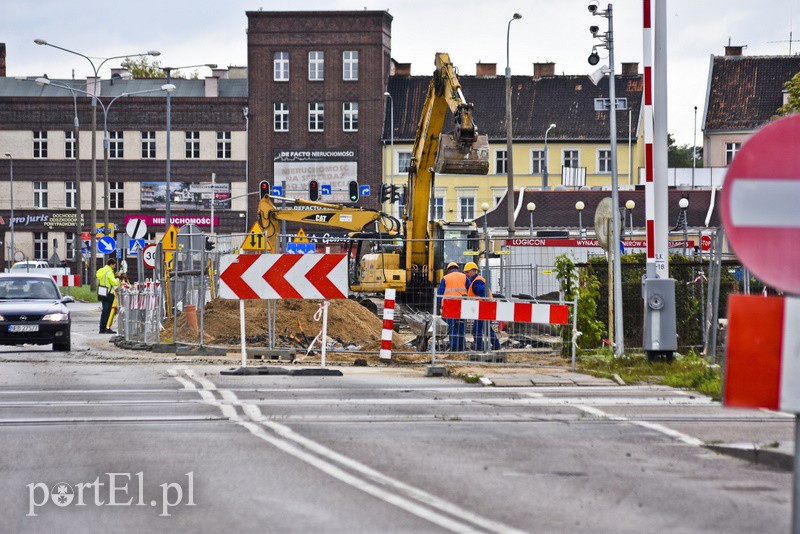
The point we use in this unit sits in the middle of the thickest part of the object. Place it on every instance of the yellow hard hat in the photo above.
(451, 265)
(470, 266)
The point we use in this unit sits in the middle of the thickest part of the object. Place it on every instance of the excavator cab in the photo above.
(454, 242)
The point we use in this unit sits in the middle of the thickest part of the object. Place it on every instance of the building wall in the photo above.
(714, 147)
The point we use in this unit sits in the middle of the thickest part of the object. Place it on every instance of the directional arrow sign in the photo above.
(326, 189)
(254, 240)
(283, 276)
(106, 245)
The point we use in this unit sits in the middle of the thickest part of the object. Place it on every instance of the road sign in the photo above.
(136, 228)
(326, 189)
(301, 248)
(106, 245)
(135, 245)
(363, 190)
(149, 256)
(277, 191)
(759, 204)
(19, 256)
(705, 243)
(300, 237)
(86, 236)
(169, 260)
(255, 240)
(99, 229)
(170, 240)
(283, 276)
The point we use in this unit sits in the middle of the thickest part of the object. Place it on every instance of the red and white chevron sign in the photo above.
(67, 280)
(283, 276)
(511, 312)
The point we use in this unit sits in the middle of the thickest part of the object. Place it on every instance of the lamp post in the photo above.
(246, 113)
(509, 133)
(546, 158)
(579, 205)
(684, 205)
(11, 184)
(694, 145)
(484, 209)
(93, 93)
(391, 149)
(531, 207)
(629, 205)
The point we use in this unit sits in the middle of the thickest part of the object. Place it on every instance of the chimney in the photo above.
(401, 69)
(630, 69)
(212, 86)
(237, 73)
(222, 74)
(2, 60)
(733, 50)
(486, 69)
(544, 70)
(93, 85)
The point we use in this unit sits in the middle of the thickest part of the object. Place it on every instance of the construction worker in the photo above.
(454, 284)
(106, 284)
(477, 288)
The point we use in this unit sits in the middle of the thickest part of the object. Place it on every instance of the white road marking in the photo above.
(680, 436)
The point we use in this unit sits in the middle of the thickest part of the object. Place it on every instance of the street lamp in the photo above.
(684, 205)
(531, 207)
(579, 205)
(391, 149)
(95, 81)
(509, 133)
(11, 183)
(629, 205)
(544, 174)
(694, 145)
(487, 274)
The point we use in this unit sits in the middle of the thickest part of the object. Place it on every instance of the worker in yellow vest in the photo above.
(477, 287)
(454, 284)
(107, 282)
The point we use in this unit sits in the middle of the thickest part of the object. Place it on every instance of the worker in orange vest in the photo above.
(477, 287)
(454, 284)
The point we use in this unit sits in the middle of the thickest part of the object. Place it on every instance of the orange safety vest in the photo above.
(471, 293)
(455, 284)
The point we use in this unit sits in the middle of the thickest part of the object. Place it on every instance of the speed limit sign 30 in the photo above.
(149, 256)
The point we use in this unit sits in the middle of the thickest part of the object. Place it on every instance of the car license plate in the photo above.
(23, 328)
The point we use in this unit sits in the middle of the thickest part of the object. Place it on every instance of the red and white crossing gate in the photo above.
(67, 280)
(496, 310)
(387, 332)
(283, 276)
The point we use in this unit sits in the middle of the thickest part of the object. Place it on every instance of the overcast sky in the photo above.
(206, 31)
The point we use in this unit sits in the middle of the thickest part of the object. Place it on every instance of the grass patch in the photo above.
(686, 372)
(83, 293)
(469, 379)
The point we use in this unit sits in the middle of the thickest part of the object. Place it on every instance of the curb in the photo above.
(249, 371)
(752, 452)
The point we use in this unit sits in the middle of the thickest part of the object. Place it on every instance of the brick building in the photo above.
(316, 83)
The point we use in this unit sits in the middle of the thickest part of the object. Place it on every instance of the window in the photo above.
(537, 161)
(316, 117)
(498, 193)
(281, 117)
(280, 66)
(39, 194)
(192, 145)
(69, 239)
(115, 147)
(466, 208)
(148, 145)
(403, 162)
(350, 116)
(69, 200)
(438, 209)
(116, 198)
(603, 161)
(730, 151)
(350, 65)
(69, 144)
(40, 246)
(570, 158)
(223, 145)
(40, 145)
(501, 161)
(316, 65)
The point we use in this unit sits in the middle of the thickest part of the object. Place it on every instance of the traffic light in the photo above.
(386, 193)
(313, 190)
(396, 191)
(353, 187)
(210, 244)
(263, 189)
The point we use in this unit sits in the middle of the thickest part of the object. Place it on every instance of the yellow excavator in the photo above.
(407, 255)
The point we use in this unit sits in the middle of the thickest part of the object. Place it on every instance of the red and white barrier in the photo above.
(494, 310)
(67, 280)
(649, 191)
(763, 353)
(388, 325)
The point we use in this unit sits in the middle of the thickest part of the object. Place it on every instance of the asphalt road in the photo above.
(371, 451)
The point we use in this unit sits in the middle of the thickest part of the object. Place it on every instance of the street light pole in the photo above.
(546, 158)
(694, 145)
(93, 94)
(11, 184)
(391, 145)
(509, 132)
(531, 207)
(579, 205)
(629, 205)
(684, 205)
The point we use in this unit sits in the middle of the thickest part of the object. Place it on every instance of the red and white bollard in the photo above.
(388, 325)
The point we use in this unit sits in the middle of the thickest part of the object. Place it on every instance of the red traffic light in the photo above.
(263, 188)
(313, 190)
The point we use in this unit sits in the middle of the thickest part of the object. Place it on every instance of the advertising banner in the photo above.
(332, 169)
(186, 196)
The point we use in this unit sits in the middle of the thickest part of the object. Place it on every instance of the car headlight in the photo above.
(2, 318)
(56, 317)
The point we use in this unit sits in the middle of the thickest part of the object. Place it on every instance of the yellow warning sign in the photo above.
(300, 237)
(170, 240)
(98, 230)
(255, 239)
(169, 260)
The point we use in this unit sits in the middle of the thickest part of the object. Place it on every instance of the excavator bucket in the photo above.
(455, 158)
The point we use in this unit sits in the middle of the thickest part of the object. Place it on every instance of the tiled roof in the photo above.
(232, 88)
(556, 209)
(745, 91)
(567, 101)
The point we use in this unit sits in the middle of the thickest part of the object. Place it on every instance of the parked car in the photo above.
(37, 267)
(32, 310)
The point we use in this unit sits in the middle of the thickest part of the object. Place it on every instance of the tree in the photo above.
(681, 156)
(141, 67)
(793, 89)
